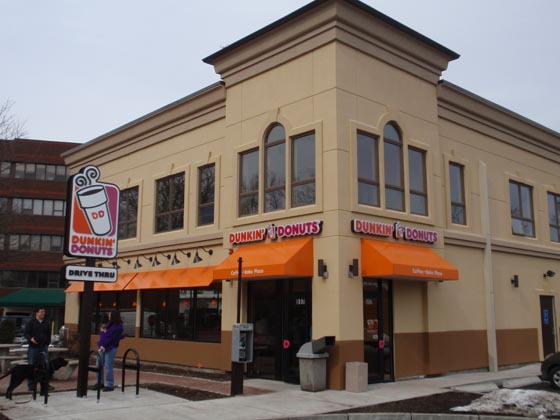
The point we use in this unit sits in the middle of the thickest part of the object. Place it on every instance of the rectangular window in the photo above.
(303, 170)
(60, 174)
(457, 193)
(182, 314)
(29, 171)
(5, 169)
(206, 188)
(521, 201)
(20, 170)
(249, 183)
(554, 216)
(37, 207)
(417, 181)
(170, 203)
(40, 171)
(51, 172)
(128, 213)
(58, 209)
(3, 204)
(368, 170)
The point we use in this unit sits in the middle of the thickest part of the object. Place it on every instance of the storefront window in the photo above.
(170, 203)
(124, 302)
(249, 183)
(457, 192)
(182, 314)
(368, 170)
(128, 213)
(394, 189)
(206, 188)
(303, 170)
(417, 181)
(521, 201)
(275, 169)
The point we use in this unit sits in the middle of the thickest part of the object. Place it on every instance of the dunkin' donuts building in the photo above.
(368, 199)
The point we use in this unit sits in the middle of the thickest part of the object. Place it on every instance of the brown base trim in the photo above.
(339, 355)
(517, 346)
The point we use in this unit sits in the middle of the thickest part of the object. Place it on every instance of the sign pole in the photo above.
(236, 367)
(84, 326)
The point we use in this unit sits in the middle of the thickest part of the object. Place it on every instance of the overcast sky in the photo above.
(78, 69)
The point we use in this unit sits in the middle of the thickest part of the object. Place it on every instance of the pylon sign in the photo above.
(92, 216)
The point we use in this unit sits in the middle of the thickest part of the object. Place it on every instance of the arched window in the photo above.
(393, 158)
(275, 169)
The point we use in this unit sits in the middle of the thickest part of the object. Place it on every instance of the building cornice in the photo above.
(325, 21)
(200, 108)
(476, 113)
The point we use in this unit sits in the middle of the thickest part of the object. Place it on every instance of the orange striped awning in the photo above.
(122, 281)
(292, 258)
(168, 279)
(395, 260)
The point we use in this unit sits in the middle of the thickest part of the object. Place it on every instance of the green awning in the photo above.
(34, 298)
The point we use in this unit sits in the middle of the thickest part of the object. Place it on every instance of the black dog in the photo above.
(37, 374)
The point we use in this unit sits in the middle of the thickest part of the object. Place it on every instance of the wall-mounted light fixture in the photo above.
(515, 280)
(155, 262)
(549, 273)
(137, 264)
(322, 269)
(175, 260)
(116, 266)
(353, 268)
(197, 257)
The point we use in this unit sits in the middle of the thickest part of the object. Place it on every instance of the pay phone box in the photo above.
(242, 343)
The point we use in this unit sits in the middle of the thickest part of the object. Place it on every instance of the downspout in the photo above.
(488, 272)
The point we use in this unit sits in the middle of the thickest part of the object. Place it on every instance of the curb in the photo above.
(405, 416)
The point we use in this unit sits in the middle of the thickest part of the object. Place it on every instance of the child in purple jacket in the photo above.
(109, 338)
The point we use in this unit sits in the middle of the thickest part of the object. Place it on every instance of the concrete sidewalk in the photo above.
(282, 400)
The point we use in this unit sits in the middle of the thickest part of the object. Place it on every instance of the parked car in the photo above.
(550, 369)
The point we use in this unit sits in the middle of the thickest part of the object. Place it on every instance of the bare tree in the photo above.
(10, 127)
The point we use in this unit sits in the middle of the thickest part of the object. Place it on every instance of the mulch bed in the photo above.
(190, 394)
(436, 404)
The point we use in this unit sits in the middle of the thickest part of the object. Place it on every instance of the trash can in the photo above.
(313, 364)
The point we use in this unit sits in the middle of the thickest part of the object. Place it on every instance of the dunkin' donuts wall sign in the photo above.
(92, 216)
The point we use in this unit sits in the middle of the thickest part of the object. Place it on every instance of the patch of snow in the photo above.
(515, 402)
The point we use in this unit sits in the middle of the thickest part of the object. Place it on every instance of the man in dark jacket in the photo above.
(38, 335)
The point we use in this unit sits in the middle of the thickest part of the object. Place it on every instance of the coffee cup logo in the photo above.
(92, 199)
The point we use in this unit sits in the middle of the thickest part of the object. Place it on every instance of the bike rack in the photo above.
(131, 366)
(99, 361)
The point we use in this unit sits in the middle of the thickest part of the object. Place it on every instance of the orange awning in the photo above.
(291, 258)
(395, 260)
(177, 278)
(122, 281)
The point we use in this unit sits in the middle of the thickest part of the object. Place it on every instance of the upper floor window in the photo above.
(554, 216)
(393, 158)
(249, 183)
(457, 193)
(275, 169)
(303, 170)
(38, 207)
(300, 161)
(368, 170)
(5, 169)
(206, 187)
(38, 171)
(521, 201)
(417, 181)
(170, 203)
(128, 213)
(44, 243)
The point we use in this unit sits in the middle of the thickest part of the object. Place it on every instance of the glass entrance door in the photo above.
(378, 329)
(281, 313)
